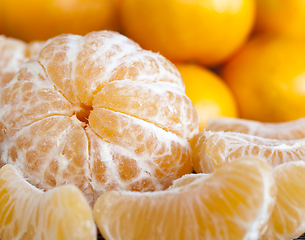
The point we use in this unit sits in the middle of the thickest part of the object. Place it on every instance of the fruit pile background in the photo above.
(238, 58)
(243, 59)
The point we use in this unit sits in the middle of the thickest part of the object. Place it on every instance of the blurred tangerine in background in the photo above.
(209, 93)
(268, 79)
(41, 20)
(207, 31)
(284, 17)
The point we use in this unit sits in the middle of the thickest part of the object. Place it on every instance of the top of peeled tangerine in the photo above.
(134, 117)
(81, 66)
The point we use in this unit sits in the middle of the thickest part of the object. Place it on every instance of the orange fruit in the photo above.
(207, 31)
(1, 18)
(28, 213)
(98, 112)
(41, 20)
(267, 79)
(13, 53)
(285, 17)
(210, 208)
(211, 150)
(209, 94)
(290, 130)
(287, 218)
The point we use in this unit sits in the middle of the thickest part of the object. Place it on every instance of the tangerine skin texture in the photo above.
(207, 31)
(285, 17)
(87, 111)
(267, 78)
(41, 20)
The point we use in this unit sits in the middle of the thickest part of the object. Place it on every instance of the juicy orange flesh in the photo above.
(14, 52)
(213, 149)
(61, 213)
(282, 131)
(287, 219)
(214, 207)
(75, 91)
(187, 179)
(157, 108)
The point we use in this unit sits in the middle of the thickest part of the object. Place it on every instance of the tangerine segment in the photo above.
(13, 53)
(146, 66)
(166, 107)
(213, 149)
(28, 213)
(144, 142)
(290, 130)
(57, 58)
(210, 208)
(52, 152)
(287, 220)
(188, 178)
(30, 97)
(81, 66)
(114, 167)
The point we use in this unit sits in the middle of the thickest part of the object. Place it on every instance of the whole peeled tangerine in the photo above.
(99, 112)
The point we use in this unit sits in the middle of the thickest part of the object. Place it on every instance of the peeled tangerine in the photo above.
(99, 112)
(13, 53)
(289, 130)
(287, 220)
(211, 150)
(30, 214)
(234, 202)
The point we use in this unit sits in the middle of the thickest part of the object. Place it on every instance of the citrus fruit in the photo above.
(13, 53)
(290, 130)
(209, 94)
(208, 31)
(41, 20)
(98, 112)
(209, 208)
(213, 149)
(1, 18)
(267, 78)
(287, 218)
(29, 214)
(284, 17)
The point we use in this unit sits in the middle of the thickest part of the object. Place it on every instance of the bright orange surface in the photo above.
(267, 78)
(208, 31)
(208, 92)
(40, 20)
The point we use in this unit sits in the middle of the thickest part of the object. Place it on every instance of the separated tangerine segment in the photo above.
(287, 220)
(240, 192)
(211, 150)
(282, 131)
(28, 213)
